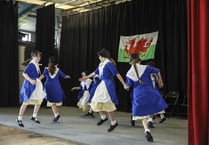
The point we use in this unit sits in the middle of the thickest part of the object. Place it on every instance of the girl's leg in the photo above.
(90, 110)
(35, 113)
(113, 121)
(147, 130)
(162, 118)
(56, 112)
(150, 121)
(90, 113)
(21, 113)
(112, 118)
(103, 117)
(132, 121)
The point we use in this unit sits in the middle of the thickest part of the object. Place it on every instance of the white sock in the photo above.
(146, 130)
(103, 117)
(34, 115)
(150, 120)
(113, 122)
(20, 117)
(56, 114)
(162, 116)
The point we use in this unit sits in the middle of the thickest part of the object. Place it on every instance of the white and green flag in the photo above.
(143, 44)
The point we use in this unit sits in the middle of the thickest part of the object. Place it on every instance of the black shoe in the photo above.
(90, 114)
(133, 122)
(101, 121)
(20, 123)
(112, 127)
(149, 137)
(162, 120)
(87, 114)
(35, 120)
(56, 118)
(150, 125)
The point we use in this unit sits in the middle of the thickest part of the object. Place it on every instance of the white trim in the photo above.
(55, 73)
(86, 83)
(132, 73)
(36, 65)
(101, 67)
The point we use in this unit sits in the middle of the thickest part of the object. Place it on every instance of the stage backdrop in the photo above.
(85, 33)
(9, 54)
(45, 31)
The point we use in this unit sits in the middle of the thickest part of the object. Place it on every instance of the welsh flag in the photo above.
(143, 44)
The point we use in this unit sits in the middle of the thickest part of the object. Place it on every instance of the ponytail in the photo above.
(137, 74)
(113, 61)
(51, 68)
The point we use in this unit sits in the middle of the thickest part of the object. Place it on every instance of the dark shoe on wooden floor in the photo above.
(35, 120)
(56, 118)
(149, 137)
(101, 121)
(133, 122)
(112, 127)
(150, 124)
(162, 120)
(90, 114)
(20, 123)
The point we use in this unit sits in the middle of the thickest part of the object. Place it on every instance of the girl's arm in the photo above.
(75, 88)
(41, 77)
(122, 81)
(67, 77)
(87, 77)
(26, 76)
(160, 80)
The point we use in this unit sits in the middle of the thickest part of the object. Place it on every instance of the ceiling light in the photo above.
(64, 7)
(36, 2)
(84, 4)
(49, 3)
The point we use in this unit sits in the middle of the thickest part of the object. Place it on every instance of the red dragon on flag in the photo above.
(143, 44)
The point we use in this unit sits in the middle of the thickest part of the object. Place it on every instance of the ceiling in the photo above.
(27, 9)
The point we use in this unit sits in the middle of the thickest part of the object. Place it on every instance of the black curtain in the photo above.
(45, 31)
(84, 34)
(9, 54)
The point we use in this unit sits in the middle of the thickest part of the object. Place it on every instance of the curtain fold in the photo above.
(84, 34)
(9, 54)
(198, 72)
(45, 32)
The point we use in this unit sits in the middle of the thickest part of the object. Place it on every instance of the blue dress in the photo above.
(146, 99)
(52, 86)
(85, 86)
(84, 95)
(27, 88)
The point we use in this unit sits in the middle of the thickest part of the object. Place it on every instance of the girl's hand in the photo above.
(160, 84)
(75, 88)
(82, 79)
(125, 87)
(67, 77)
(33, 82)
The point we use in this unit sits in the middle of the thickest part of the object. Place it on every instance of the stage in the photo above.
(75, 129)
